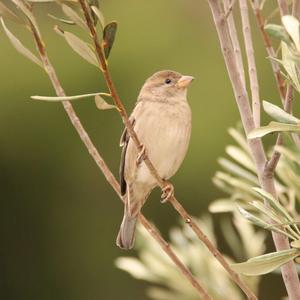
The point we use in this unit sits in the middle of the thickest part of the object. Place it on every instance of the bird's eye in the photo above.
(168, 81)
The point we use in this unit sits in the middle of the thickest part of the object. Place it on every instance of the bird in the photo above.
(162, 121)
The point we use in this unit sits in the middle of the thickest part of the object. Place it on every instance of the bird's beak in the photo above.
(184, 81)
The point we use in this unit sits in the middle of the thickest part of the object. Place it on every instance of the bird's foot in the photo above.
(141, 155)
(167, 192)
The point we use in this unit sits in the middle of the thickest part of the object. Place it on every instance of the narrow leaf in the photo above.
(80, 47)
(296, 244)
(61, 20)
(278, 32)
(102, 104)
(272, 127)
(109, 34)
(6, 12)
(27, 13)
(20, 47)
(265, 263)
(273, 203)
(291, 25)
(237, 170)
(72, 15)
(252, 218)
(66, 98)
(279, 114)
(99, 15)
(288, 61)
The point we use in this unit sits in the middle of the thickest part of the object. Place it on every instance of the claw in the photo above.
(167, 192)
(141, 155)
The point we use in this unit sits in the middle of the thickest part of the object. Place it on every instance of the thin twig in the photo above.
(251, 62)
(229, 8)
(162, 183)
(272, 163)
(105, 169)
(270, 50)
(289, 272)
(283, 7)
(234, 39)
(296, 9)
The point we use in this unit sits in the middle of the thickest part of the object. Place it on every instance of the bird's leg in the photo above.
(141, 154)
(167, 192)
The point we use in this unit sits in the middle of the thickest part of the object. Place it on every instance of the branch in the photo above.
(251, 62)
(234, 38)
(272, 163)
(178, 207)
(283, 7)
(270, 50)
(289, 272)
(296, 9)
(105, 169)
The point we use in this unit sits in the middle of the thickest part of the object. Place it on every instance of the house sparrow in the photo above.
(162, 122)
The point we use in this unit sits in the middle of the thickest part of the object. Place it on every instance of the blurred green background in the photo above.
(58, 216)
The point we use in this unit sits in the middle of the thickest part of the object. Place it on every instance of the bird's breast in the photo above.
(165, 130)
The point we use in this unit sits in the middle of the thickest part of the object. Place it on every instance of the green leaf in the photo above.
(252, 218)
(72, 15)
(80, 47)
(102, 104)
(109, 34)
(240, 139)
(288, 61)
(272, 127)
(240, 156)
(6, 12)
(67, 98)
(222, 205)
(20, 47)
(99, 15)
(237, 170)
(273, 203)
(68, 22)
(266, 263)
(291, 25)
(296, 244)
(278, 32)
(279, 114)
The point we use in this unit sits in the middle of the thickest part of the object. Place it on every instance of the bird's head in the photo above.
(167, 84)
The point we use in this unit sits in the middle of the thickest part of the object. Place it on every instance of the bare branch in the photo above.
(296, 9)
(234, 38)
(251, 62)
(283, 7)
(289, 272)
(162, 183)
(270, 50)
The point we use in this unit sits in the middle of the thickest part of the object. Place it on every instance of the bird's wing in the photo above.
(124, 144)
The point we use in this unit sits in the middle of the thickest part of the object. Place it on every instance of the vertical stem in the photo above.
(289, 272)
(251, 62)
(234, 39)
(283, 7)
(296, 9)
(270, 50)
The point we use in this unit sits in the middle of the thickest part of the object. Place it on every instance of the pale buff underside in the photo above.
(164, 129)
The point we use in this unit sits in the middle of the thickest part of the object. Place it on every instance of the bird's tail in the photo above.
(134, 199)
(125, 239)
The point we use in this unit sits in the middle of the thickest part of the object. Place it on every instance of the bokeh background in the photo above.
(58, 216)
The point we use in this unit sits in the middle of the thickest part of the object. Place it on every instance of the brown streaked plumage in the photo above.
(162, 122)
